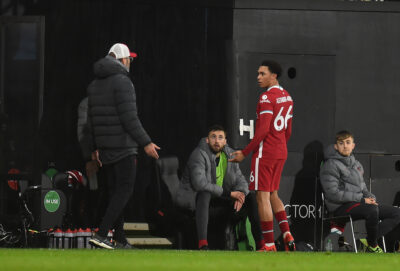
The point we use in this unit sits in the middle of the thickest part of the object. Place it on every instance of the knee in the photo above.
(396, 214)
(274, 195)
(263, 198)
(373, 212)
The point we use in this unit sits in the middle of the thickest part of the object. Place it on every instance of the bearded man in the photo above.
(216, 188)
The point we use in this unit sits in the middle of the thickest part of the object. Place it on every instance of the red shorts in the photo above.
(265, 174)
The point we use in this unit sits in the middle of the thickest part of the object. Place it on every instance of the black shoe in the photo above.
(101, 242)
(343, 245)
(205, 247)
(126, 245)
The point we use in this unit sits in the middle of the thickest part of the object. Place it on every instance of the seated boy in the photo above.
(346, 193)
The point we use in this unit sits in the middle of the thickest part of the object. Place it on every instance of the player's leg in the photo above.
(260, 173)
(370, 213)
(251, 206)
(264, 206)
(202, 214)
(280, 216)
(278, 207)
(276, 202)
(389, 217)
(266, 219)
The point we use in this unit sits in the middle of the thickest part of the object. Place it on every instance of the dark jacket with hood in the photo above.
(200, 175)
(342, 179)
(112, 115)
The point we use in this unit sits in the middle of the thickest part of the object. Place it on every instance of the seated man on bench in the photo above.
(346, 193)
(212, 185)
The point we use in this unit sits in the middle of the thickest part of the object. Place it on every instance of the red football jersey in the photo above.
(273, 124)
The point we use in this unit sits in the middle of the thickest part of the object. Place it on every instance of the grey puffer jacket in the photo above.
(342, 179)
(200, 175)
(82, 129)
(112, 114)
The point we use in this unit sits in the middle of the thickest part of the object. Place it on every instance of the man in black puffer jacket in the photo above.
(117, 133)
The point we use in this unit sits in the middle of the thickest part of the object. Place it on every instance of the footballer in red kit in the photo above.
(269, 148)
(273, 129)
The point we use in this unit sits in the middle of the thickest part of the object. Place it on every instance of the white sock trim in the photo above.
(286, 233)
(336, 230)
(267, 231)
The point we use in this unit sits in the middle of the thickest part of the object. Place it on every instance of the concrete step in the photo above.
(136, 226)
(149, 241)
(138, 235)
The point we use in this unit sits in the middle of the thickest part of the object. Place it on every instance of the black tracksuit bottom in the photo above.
(120, 182)
(221, 210)
(379, 219)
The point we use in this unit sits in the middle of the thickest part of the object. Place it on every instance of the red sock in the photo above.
(267, 228)
(282, 221)
(203, 242)
(337, 227)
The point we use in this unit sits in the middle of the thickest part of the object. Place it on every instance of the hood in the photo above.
(331, 153)
(108, 66)
(204, 146)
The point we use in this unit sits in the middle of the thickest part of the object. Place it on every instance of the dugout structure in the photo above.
(340, 65)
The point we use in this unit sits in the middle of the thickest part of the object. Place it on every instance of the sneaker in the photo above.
(376, 249)
(289, 242)
(363, 245)
(205, 247)
(368, 248)
(101, 242)
(267, 249)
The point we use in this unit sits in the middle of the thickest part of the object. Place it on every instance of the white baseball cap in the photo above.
(120, 50)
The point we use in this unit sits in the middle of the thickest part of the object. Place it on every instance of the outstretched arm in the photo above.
(261, 133)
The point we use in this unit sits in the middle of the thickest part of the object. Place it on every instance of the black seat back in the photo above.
(167, 173)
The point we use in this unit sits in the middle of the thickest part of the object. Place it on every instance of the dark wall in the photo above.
(345, 56)
(179, 75)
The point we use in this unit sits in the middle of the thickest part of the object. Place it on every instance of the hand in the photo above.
(238, 205)
(151, 150)
(370, 201)
(91, 168)
(238, 196)
(238, 157)
(96, 157)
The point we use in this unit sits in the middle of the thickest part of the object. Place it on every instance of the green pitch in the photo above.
(75, 260)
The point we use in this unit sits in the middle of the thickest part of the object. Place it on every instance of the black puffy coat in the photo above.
(112, 117)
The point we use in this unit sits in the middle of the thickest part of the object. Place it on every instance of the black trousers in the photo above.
(373, 214)
(120, 182)
(222, 211)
